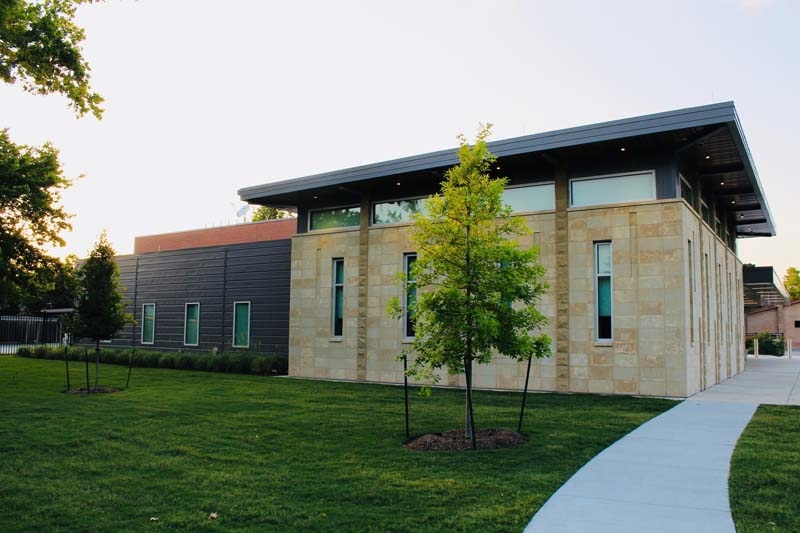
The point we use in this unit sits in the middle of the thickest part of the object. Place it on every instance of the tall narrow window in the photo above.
(706, 282)
(691, 292)
(241, 324)
(148, 323)
(191, 324)
(602, 254)
(338, 297)
(410, 295)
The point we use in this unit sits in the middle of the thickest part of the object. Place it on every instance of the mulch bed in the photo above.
(93, 390)
(454, 440)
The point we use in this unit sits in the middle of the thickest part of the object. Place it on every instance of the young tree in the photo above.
(792, 283)
(40, 47)
(30, 214)
(100, 311)
(479, 288)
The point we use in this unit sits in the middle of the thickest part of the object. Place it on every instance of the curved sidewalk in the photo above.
(671, 473)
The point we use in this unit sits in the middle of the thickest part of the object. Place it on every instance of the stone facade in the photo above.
(677, 319)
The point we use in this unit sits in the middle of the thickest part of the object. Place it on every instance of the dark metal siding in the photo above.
(215, 277)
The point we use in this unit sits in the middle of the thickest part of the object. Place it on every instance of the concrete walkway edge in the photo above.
(670, 474)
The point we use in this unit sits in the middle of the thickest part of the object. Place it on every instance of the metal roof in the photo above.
(763, 288)
(709, 137)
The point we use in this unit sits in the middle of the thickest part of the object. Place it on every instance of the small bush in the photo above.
(768, 344)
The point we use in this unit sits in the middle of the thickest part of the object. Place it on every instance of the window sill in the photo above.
(604, 344)
(407, 340)
(335, 339)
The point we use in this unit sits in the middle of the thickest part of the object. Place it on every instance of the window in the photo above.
(602, 255)
(340, 217)
(409, 296)
(191, 324)
(539, 197)
(241, 324)
(691, 292)
(705, 212)
(338, 297)
(613, 189)
(148, 323)
(396, 210)
(797, 323)
(686, 192)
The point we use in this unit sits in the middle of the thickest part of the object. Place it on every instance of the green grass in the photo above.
(765, 472)
(277, 454)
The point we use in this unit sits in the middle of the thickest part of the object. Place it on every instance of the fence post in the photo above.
(755, 346)
(789, 345)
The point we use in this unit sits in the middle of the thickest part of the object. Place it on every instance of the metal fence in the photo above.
(28, 330)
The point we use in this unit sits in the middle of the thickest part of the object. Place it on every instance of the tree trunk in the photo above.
(470, 422)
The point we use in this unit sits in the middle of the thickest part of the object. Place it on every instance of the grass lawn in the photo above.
(277, 454)
(765, 472)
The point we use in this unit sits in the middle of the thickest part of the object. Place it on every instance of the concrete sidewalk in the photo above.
(671, 473)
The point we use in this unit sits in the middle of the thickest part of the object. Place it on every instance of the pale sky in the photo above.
(203, 98)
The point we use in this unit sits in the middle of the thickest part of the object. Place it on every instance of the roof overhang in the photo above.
(763, 288)
(707, 141)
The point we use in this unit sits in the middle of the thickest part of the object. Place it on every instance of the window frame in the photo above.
(186, 323)
(597, 276)
(334, 297)
(233, 337)
(650, 172)
(348, 206)
(144, 324)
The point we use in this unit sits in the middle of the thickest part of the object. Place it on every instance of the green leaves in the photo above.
(31, 181)
(479, 288)
(101, 312)
(40, 48)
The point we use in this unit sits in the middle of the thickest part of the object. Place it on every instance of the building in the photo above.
(636, 219)
(218, 288)
(768, 307)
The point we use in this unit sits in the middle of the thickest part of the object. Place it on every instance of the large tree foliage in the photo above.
(792, 282)
(31, 181)
(478, 288)
(100, 310)
(40, 48)
(265, 212)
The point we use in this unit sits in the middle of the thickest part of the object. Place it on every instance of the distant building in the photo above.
(637, 221)
(224, 288)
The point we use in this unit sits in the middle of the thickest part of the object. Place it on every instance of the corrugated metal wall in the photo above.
(215, 277)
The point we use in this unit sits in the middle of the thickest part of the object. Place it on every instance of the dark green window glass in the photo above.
(341, 217)
(241, 324)
(410, 296)
(148, 323)
(604, 295)
(191, 325)
(338, 297)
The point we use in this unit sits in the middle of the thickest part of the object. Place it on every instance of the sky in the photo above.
(204, 98)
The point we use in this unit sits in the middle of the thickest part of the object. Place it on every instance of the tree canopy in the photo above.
(478, 288)
(30, 215)
(265, 212)
(792, 282)
(40, 48)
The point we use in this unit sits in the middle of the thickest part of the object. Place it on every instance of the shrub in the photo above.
(239, 362)
(768, 344)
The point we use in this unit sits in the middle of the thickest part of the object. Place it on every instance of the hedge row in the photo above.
(232, 362)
